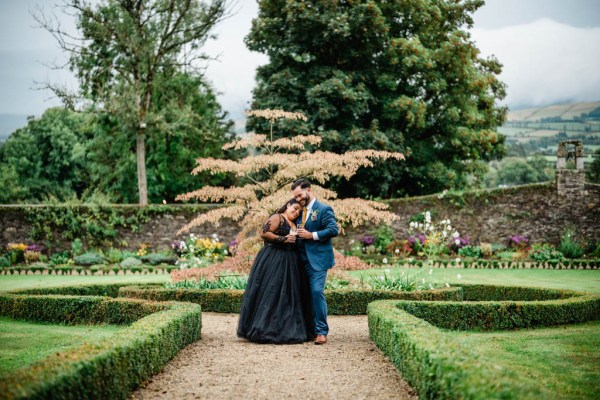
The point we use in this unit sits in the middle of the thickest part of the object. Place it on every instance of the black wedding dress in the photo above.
(276, 305)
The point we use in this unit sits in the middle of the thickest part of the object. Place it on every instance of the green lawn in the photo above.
(580, 280)
(22, 342)
(563, 362)
(10, 282)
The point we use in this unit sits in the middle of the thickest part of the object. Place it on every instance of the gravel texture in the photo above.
(222, 366)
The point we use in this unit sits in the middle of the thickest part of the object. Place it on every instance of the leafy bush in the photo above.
(405, 282)
(221, 282)
(114, 256)
(158, 258)
(470, 252)
(88, 259)
(130, 262)
(383, 237)
(4, 262)
(545, 252)
(59, 258)
(76, 247)
(568, 246)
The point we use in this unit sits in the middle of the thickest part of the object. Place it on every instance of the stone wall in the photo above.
(535, 211)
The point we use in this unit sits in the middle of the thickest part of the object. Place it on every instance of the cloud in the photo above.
(545, 62)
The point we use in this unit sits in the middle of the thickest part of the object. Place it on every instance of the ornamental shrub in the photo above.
(88, 259)
(470, 251)
(569, 246)
(545, 252)
(130, 262)
(158, 258)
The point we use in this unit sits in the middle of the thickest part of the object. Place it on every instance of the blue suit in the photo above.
(317, 257)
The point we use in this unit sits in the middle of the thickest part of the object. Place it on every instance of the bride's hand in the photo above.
(290, 238)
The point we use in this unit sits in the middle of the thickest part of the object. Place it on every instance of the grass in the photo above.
(579, 280)
(10, 282)
(563, 362)
(22, 343)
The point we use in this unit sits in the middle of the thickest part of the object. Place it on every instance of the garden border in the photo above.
(109, 368)
(439, 368)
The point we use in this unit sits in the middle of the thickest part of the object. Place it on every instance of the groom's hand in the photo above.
(304, 234)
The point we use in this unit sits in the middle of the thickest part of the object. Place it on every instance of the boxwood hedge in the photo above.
(110, 368)
(438, 367)
(339, 301)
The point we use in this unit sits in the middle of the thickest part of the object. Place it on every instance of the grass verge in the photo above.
(23, 343)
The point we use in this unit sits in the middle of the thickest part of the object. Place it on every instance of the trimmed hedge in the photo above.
(472, 292)
(408, 332)
(109, 289)
(434, 364)
(505, 315)
(110, 368)
(339, 301)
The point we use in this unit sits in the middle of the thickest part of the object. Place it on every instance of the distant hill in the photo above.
(539, 130)
(565, 112)
(10, 123)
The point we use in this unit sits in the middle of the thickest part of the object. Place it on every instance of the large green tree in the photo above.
(46, 158)
(399, 75)
(190, 124)
(125, 48)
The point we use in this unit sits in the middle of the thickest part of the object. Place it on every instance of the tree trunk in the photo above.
(141, 166)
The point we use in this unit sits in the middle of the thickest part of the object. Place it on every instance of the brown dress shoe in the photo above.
(321, 339)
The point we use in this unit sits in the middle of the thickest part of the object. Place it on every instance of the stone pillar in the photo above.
(570, 181)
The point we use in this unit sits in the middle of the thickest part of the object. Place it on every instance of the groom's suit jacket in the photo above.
(322, 221)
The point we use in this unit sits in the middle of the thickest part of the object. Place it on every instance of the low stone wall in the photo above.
(535, 211)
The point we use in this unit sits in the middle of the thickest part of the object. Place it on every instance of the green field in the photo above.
(563, 362)
(23, 343)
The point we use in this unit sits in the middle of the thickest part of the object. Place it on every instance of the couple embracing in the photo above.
(284, 301)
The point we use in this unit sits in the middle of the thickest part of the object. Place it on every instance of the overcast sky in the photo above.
(549, 49)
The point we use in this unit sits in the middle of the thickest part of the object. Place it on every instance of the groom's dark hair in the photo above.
(302, 182)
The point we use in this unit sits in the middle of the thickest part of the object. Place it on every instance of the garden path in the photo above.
(222, 366)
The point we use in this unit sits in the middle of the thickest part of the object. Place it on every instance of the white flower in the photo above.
(381, 278)
(427, 216)
(214, 235)
(457, 242)
(457, 260)
(430, 271)
(352, 241)
(412, 224)
(431, 228)
(423, 280)
(410, 259)
(385, 260)
(387, 271)
(444, 234)
(455, 235)
(447, 285)
(458, 276)
(225, 252)
(430, 286)
(449, 228)
(397, 251)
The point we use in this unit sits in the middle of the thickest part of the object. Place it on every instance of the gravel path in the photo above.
(222, 366)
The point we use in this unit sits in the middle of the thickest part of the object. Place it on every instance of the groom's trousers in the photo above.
(316, 280)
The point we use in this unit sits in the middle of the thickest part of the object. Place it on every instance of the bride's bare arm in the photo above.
(269, 228)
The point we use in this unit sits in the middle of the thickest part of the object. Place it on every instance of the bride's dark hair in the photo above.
(284, 207)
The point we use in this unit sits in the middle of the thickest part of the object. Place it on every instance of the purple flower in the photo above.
(420, 237)
(367, 240)
(518, 241)
(35, 247)
(458, 243)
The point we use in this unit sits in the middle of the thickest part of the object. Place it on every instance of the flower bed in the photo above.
(440, 368)
(111, 368)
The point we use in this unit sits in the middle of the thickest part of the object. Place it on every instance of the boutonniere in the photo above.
(313, 215)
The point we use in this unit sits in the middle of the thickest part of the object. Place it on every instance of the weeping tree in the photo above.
(398, 75)
(266, 173)
(124, 50)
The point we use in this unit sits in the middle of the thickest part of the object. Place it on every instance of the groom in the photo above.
(318, 226)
